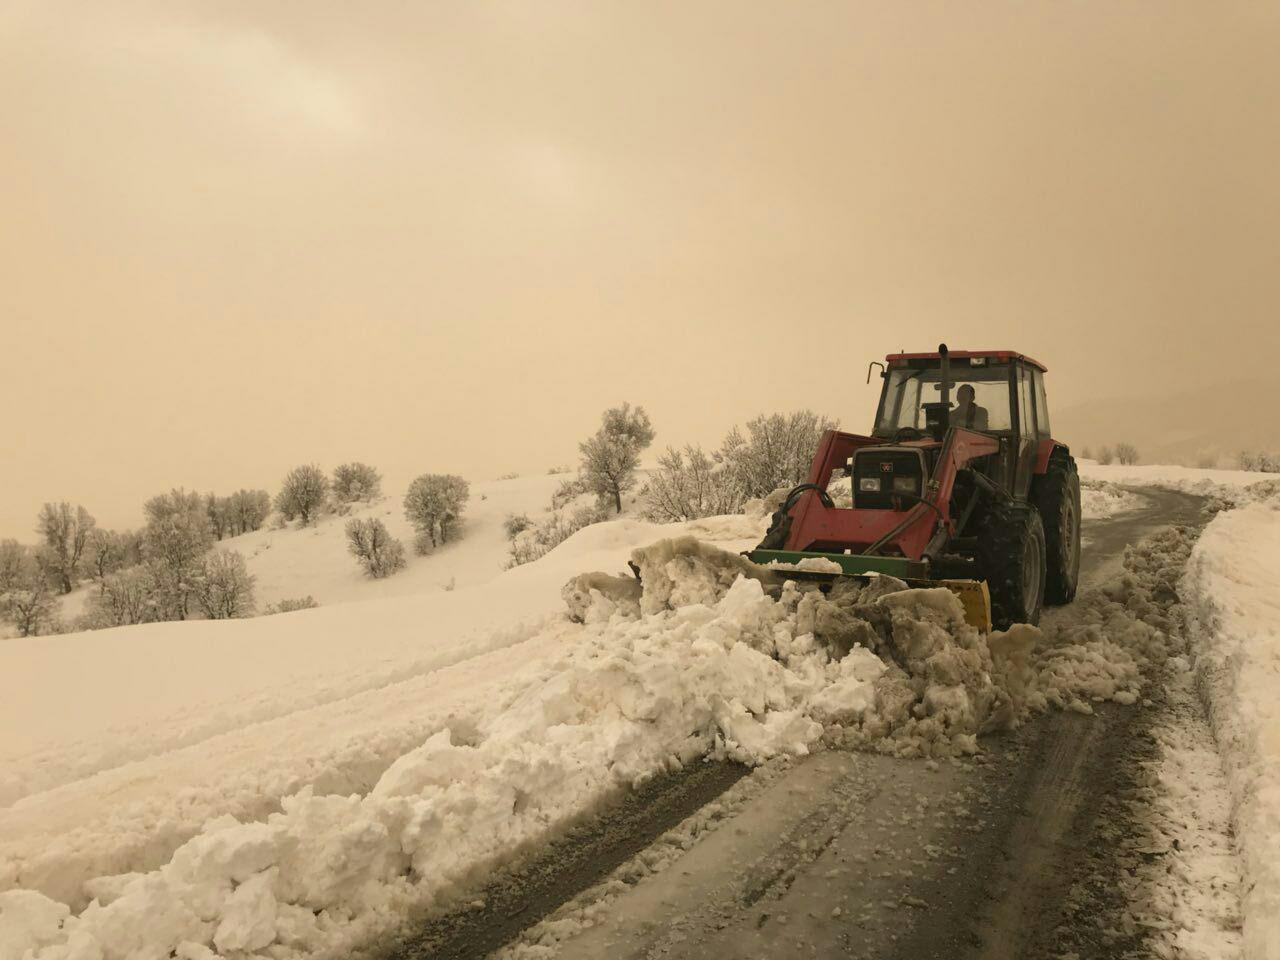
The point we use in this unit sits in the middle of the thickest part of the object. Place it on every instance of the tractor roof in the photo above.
(1003, 356)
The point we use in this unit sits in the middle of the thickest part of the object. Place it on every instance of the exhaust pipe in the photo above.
(946, 374)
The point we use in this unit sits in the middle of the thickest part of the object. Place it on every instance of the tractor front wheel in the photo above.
(1011, 555)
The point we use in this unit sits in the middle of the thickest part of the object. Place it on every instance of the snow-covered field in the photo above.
(297, 783)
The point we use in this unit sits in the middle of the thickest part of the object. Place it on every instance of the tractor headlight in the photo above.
(871, 484)
(905, 485)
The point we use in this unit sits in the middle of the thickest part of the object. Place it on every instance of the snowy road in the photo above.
(1019, 854)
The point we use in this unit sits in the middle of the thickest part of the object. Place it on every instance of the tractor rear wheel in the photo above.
(1011, 555)
(1056, 495)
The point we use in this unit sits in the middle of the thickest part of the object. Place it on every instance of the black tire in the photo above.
(1056, 496)
(1011, 557)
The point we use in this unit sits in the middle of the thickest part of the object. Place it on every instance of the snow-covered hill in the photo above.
(313, 561)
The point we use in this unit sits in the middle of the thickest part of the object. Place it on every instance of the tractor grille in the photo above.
(881, 472)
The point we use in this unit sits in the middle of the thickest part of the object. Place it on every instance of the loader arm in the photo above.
(816, 528)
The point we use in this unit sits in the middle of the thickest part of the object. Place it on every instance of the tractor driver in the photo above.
(967, 413)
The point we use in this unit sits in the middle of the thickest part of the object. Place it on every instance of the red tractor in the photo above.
(974, 494)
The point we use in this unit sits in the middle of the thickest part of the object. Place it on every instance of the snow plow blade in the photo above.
(973, 594)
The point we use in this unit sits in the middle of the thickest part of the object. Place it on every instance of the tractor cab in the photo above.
(997, 393)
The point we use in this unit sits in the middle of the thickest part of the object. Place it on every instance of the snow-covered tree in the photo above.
(64, 532)
(776, 451)
(610, 457)
(303, 493)
(224, 586)
(174, 542)
(434, 505)
(372, 544)
(688, 485)
(356, 481)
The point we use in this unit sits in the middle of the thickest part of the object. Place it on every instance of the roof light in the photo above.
(977, 361)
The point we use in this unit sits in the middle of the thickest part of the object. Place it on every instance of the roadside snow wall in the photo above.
(1233, 586)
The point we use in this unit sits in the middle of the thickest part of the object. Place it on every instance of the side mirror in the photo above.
(874, 363)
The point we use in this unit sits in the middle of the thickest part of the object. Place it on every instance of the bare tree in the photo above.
(64, 532)
(1106, 456)
(29, 605)
(105, 552)
(303, 493)
(246, 511)
(224, 586)
(16, 563)
(775, 452)
(611, 456)
(688, 485)
(434, 505)
(25, 597)
(356, 481)
(1126, 453)
(372, 544)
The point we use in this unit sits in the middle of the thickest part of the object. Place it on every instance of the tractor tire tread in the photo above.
(1056, 495)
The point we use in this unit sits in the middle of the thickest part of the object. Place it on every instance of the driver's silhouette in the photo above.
(967, 413)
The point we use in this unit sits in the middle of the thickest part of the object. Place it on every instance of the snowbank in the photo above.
(1232, 586)
(1172, 477)
(1100, 499)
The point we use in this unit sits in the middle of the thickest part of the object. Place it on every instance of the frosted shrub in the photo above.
(1106, 456)
(540, 539)
(434, 505)
(567, 491)
(1126, 453)
(688, 485)
(288, 606)
(516, 523)
(372, 544)
(123, 598)
(776, 451)
(356, 481)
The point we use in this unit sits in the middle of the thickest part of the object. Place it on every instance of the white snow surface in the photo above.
(294, 785)
(1232, 586)
(321, 802)
(1171, 476)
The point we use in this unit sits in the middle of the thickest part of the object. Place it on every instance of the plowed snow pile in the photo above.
(713, 657)
(1232, 587)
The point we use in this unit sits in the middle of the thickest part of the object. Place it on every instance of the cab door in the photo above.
(1027, 432)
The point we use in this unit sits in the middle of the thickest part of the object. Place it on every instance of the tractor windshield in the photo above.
(906, 390)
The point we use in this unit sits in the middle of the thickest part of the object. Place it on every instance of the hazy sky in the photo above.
(236, 236)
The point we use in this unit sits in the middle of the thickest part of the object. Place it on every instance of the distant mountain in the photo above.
(1214, 421)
